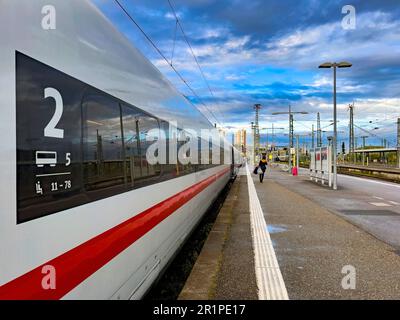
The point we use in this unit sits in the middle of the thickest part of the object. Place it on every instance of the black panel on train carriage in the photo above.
(70, 142)
(77, 144)
(48, 115)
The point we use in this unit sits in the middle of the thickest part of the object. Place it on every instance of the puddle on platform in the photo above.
(275, 229)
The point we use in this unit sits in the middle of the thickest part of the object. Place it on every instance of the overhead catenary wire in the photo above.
(192, 52)
(173, 45)
(302, 124)
(166, 60)
(373, 134)
(385, 120)
(378, 121)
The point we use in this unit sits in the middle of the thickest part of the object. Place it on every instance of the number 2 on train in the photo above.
(51, 131)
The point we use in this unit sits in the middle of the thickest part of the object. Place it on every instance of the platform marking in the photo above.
(380, 204)
(242, 172)
(395, 185)
(268, 275)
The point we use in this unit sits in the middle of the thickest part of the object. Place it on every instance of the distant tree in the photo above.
(343, 147)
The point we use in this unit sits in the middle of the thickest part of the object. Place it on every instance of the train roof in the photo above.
(87, 46)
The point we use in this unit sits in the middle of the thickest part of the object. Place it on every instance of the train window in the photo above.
(181, 167)
(203, 154)
(150, 173)
(186, 166)
(168, 171)
(130, 123)
(103, 164)
(136, 125)
(171, 169)
(198, 165)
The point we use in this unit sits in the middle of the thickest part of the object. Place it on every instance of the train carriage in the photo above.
(80, 200)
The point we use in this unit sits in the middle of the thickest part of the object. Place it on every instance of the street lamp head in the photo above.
(326, 65)
(344, 64)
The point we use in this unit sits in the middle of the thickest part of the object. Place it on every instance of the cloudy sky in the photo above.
(268, 52)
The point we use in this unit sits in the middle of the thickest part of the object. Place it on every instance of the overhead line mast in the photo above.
(257, 108)
(319, 131)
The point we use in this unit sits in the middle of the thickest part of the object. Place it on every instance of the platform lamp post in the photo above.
(334, 65)
(329, 173)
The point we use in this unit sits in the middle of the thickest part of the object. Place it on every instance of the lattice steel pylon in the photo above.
(253, 128)
(319, 131)
(312, 137)
(257, 108)
(351, 130)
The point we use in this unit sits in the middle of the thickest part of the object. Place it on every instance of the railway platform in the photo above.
(283, 239)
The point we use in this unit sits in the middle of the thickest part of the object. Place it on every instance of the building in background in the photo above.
(240, 141)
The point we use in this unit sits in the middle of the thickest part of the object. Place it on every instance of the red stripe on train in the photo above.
(76, 265)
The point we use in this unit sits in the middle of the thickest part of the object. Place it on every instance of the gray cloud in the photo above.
(268, 52)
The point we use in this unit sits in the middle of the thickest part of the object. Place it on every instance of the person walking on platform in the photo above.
(263, 166)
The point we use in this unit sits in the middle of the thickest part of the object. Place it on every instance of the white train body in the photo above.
(104, 228)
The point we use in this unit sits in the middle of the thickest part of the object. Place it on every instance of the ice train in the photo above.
(83, 214)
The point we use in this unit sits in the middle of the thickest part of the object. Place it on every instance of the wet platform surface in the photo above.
(372, 204)
(314, 247)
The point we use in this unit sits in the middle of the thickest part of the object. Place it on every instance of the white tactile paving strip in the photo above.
(242, 171)
(380, 204)
(269, 277)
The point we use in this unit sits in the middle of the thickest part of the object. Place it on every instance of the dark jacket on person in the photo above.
(263, 164)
